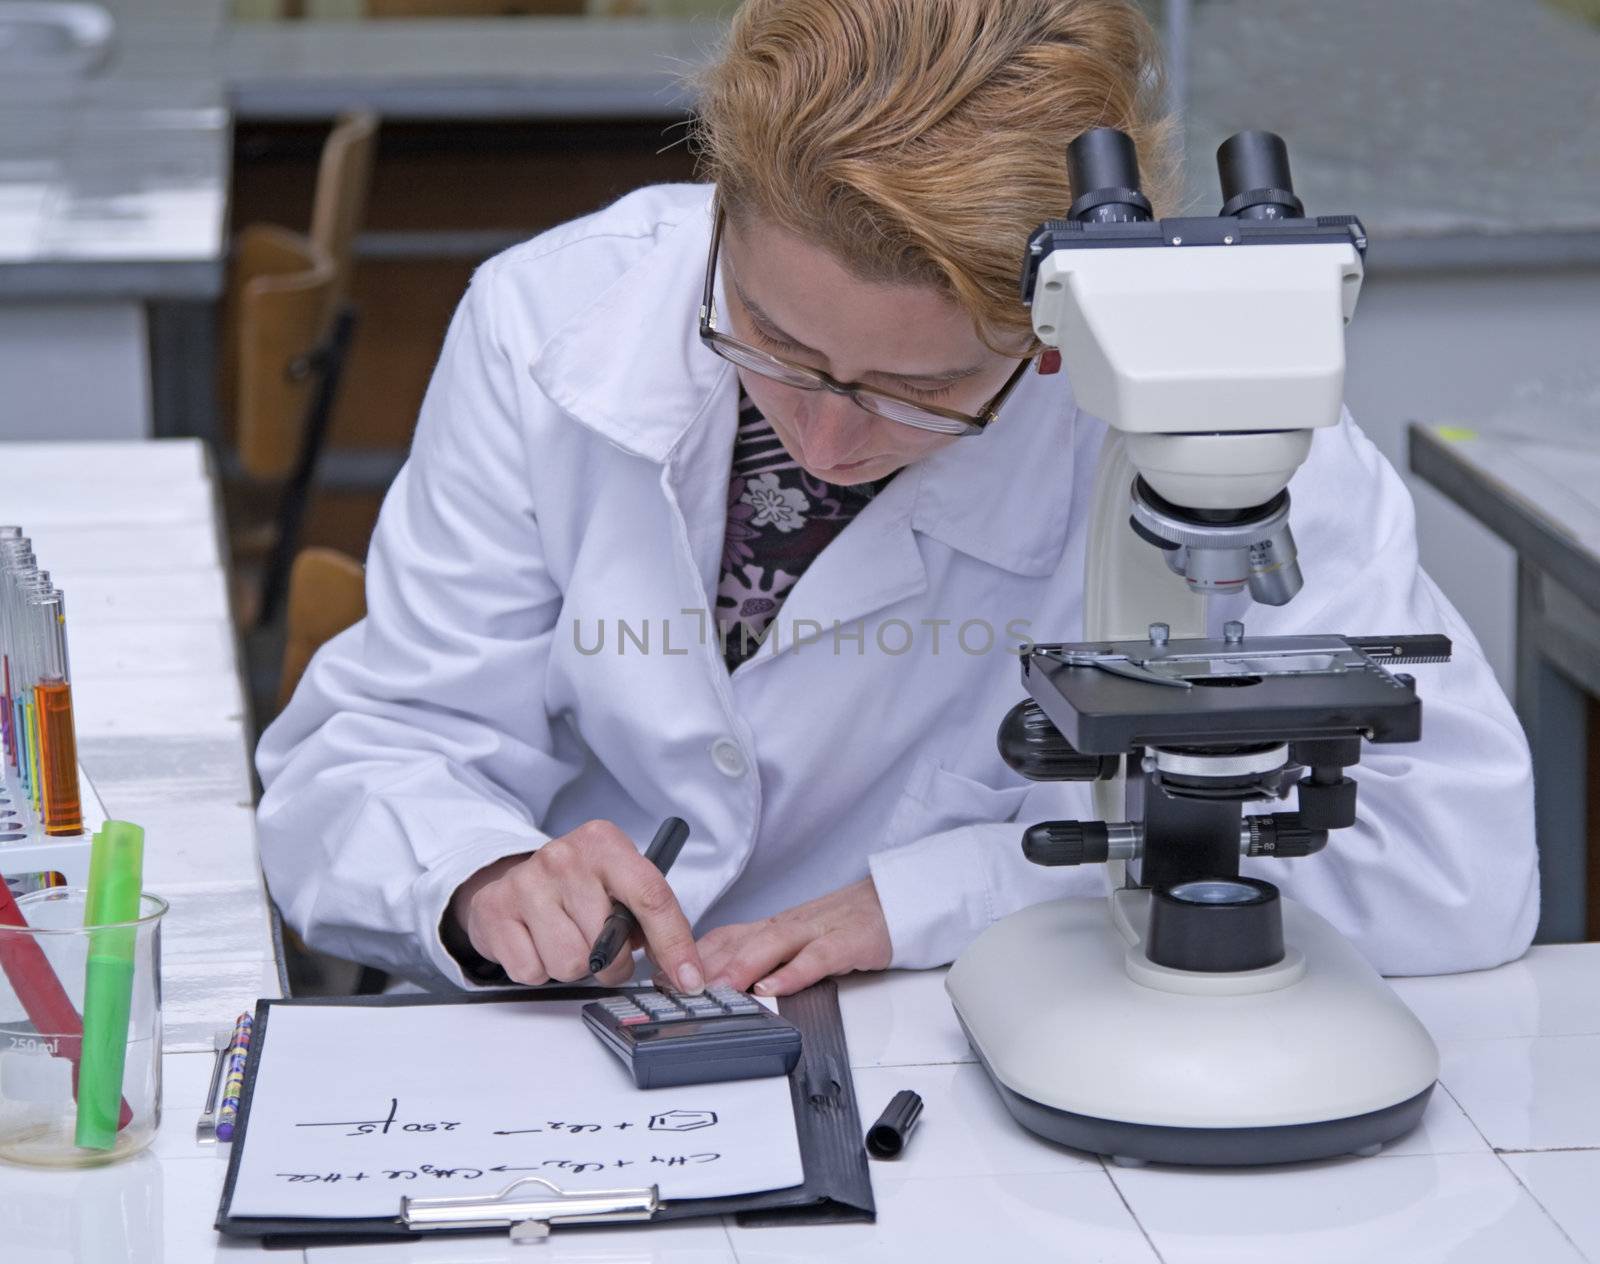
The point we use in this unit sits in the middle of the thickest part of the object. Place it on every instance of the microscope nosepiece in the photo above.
(1222, 552)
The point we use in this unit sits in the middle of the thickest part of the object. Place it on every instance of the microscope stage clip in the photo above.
(1180, 664)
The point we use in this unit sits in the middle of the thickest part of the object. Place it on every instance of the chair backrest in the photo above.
(281, 301)
(344, 178)
(327, 593)
(472, 8)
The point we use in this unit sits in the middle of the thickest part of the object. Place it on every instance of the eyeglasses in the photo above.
(805, 378)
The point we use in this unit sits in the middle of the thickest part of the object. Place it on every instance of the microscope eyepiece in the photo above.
(1103, 170)
(1254, 169)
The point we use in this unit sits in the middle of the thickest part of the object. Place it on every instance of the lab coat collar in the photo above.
(649, 389)
(1002, 497)
(1005, 496)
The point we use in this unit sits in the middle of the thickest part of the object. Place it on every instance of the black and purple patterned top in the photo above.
(779, 519)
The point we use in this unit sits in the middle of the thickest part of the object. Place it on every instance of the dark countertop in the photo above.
(115, 183)
(1465, 133)
(1536, 485)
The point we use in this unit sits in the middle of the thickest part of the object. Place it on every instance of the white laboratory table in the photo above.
(130, 532)
(1503, 1167)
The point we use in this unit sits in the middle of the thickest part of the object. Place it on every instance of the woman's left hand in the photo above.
(835, 934)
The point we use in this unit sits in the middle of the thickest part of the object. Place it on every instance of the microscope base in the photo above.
(1133, 1145)
(1320, 1059)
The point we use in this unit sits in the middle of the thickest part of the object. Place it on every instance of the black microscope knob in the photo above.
(1033, 746)
(1328, 804)
(1066, 843)
(1215, 925)
(1283, 835)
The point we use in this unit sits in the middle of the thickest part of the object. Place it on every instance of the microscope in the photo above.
(1196, 1016)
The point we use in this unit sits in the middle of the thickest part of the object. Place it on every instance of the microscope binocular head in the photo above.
(1214, 345)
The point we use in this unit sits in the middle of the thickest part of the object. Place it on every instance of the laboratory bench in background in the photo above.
(118, 192)
(1536, 485)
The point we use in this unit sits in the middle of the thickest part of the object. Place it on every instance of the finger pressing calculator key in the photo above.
(665, 1037)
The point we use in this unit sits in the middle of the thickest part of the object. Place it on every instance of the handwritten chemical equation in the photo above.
(426, 1171)
(661, 1121)
(381, 1127)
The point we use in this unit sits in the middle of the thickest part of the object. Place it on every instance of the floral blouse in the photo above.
(779, 519)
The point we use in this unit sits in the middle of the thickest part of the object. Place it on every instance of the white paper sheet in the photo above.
(356, 1106)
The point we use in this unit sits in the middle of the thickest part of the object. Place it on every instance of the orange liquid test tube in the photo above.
(58, 758)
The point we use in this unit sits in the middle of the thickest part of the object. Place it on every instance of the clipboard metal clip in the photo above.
(529, 1214)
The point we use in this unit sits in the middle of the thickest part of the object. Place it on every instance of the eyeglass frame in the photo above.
(711, 336)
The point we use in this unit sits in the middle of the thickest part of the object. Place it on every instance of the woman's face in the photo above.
(796, 300)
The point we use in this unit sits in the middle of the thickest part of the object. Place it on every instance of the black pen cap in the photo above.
(887, 1137)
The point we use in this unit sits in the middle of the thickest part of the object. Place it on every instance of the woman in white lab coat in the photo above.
(635, 568)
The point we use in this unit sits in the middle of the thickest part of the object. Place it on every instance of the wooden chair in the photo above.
(283, 403)
(344, 179)
(327, 594)
(281, 291)
(471, 8)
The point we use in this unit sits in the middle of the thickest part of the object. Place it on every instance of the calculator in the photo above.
(666, 1037)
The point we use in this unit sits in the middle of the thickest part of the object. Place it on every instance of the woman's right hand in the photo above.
(539, 914)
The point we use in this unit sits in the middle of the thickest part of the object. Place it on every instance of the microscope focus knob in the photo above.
(1215, 925)
(1033, 746)
(1067, 843)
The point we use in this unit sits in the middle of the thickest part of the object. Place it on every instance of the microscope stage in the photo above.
(1110, 697)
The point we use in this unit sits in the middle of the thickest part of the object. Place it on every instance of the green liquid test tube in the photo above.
(116, 867)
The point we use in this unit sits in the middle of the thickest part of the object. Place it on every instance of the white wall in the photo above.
(74, 370)
(1463, 349)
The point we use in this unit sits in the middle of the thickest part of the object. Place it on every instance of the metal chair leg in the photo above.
(328, 362)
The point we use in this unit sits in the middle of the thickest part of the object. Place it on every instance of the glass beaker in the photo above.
(44, 968)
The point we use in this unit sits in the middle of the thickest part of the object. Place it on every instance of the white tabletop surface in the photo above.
(129, 532)
(1503, 1167)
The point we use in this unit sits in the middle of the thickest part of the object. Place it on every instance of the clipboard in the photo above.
(837, 1186)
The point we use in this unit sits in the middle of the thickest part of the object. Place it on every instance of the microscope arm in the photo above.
(1127, 587)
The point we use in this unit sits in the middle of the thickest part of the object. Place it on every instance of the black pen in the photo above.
(663, 850)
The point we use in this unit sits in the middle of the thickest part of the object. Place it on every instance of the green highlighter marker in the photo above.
(116, 867)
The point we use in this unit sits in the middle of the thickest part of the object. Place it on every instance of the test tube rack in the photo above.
(26, 849)
(46, 822)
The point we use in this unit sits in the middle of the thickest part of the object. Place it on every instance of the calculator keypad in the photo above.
(666, 1006)
(666, 1037)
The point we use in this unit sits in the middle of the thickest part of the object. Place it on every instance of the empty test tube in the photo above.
(31, 658)
(18, 574)
(16, 560)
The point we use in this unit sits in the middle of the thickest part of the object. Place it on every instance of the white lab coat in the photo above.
(570, 472)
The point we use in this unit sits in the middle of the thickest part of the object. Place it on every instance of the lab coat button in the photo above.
(728, 758)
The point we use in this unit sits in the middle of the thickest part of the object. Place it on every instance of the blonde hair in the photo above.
(921, 141)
